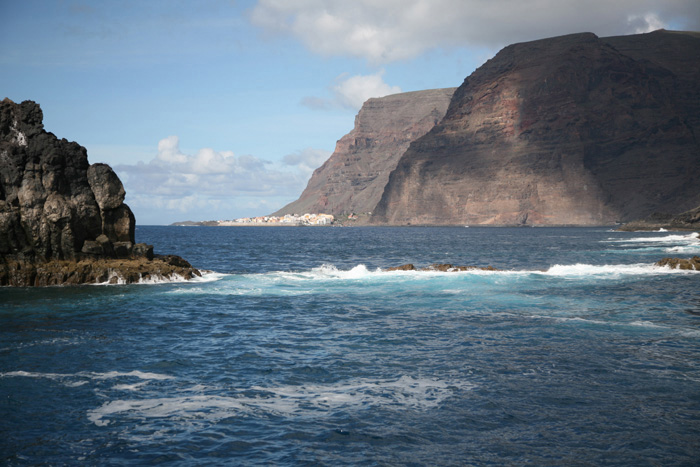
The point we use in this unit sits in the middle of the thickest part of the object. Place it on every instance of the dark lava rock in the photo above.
(143, 250)
(62, 220)
(51, 200)
(91, 271)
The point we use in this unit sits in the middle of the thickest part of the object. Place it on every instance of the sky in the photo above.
(220, 109)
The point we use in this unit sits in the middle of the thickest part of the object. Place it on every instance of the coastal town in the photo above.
(288, 219)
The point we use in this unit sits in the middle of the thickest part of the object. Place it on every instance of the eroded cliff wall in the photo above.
(572, 130)
(354, 177)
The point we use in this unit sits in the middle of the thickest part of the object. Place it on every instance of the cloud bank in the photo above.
(350, 92)
(201, 184)
(383, 31)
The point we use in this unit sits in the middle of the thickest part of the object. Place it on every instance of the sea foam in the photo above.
(403, 393)
(689, 238)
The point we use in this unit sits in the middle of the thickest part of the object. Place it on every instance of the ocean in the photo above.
(300, 349)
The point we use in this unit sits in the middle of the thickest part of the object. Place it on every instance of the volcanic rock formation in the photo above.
(353, 178)
(57, 210)
(572, 130)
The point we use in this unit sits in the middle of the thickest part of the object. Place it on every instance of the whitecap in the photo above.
(611, 270)
(115, 278)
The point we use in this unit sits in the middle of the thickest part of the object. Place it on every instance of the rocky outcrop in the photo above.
(572, 130)
(353, 178)
(59, 216)
(692, 264)
(689, 220)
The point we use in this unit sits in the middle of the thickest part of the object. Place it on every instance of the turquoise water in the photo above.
(300, 350)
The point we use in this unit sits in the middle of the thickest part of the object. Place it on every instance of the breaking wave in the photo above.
(207, 276)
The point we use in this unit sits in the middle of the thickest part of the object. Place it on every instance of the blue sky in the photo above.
(219, 109)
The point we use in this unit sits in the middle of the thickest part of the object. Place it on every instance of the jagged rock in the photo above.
(679, 263)
(353, 178)
(53, 201)
(572, 130)
(175, 260)
(62, 220)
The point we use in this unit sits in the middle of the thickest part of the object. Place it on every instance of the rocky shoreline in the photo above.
(19, 273)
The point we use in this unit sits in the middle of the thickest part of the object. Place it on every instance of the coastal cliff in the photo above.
(571, 130)
(353, 178)
(62, 220)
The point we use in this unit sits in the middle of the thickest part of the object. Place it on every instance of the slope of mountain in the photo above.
(354, 177)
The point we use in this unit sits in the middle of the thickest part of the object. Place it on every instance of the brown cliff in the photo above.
(63, 220)
(353, 178)
(572, 130)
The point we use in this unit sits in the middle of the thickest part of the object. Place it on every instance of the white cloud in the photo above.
(307, 160)
(645, 23)
(210, 181)
(382, 31)
(351, 92)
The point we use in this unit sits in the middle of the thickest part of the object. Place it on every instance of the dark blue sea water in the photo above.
(300, 350)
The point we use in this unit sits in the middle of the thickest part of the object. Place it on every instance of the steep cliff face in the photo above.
(354, 177)
(568, 130)
(62, 220)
